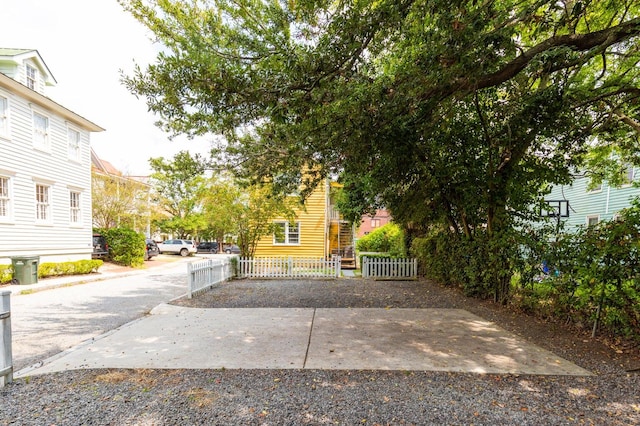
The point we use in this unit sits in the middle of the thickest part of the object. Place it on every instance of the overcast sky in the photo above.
(85, 43)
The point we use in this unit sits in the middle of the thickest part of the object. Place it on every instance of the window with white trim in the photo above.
(4, 116)
(289, 233)
(74, 207)
(5, 198)
(43, 206)
(73, 139)
(596, 188)
(40, 131)
(32, 77)
(593, 220)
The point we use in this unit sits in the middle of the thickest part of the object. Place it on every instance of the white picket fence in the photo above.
(289, 267)
(6, 358)
(205, 274)
(389, 269)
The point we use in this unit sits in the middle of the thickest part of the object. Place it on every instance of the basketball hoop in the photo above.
(554, 208)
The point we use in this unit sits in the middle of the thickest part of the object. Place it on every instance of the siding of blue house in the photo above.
(598, 204)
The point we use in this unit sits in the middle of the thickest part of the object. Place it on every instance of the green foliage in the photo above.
(6, 273)
(49, 269)
(178, 187)
(453, 116)
(483, 266)
(80, 267)
(386, 239)
(244, 211)
(253, 212)
(118, 201)
(126, 246)
(592, 278)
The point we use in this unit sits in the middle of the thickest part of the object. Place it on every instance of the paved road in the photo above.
(47, 322)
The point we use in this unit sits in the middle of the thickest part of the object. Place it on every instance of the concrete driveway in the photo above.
(310, 338)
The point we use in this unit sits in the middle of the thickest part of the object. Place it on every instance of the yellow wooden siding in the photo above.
(312, 231)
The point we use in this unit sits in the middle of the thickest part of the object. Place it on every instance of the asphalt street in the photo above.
(47, 322)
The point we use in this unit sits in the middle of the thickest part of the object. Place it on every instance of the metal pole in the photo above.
(6, 356)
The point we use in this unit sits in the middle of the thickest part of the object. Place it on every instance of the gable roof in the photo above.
(103, 166)
(17, 56)
(32, 96)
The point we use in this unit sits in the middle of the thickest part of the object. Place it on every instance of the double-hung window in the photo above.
(628, 175)
(32, 77)
(5, 198)
(288, 233)
(74, 207)
(73, 138)
(43, 206)
(40, 131)
(4, 116)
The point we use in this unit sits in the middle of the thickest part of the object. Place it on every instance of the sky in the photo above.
(85, 44)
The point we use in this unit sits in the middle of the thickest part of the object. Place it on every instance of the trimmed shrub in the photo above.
(126, 246)
(386, 239)
(49, 269)
(6, 272)
(80, 267)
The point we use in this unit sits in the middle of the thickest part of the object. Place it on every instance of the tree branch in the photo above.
(579, 42)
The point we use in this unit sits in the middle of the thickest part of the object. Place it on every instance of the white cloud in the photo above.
(85, 44)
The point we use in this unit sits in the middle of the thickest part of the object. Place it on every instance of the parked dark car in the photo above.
(231, 249)
(207, 247)
(151, 249)
(100, 247)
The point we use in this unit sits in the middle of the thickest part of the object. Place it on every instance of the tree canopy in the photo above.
(452, 113)
(178, 186)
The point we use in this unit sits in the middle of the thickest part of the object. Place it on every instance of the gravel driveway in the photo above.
(322, 397)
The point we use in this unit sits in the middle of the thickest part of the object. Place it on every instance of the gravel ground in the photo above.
(293, 397)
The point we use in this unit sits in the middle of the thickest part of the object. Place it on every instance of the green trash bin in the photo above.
(25, 269)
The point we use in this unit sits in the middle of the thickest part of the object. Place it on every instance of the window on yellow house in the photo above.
(288, 233)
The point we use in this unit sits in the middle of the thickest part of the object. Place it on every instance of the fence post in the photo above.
(190, 281)
(365, 267)
(6, 357)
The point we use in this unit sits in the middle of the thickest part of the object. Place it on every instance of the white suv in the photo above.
(182, 247)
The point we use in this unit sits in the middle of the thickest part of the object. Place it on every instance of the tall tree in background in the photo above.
(244, 212)
(451, 113)
(178, 187)
(119, 201)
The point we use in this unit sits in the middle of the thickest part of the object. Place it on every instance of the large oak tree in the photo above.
(449, 112)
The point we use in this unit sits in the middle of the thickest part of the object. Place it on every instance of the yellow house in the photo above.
(317, 230)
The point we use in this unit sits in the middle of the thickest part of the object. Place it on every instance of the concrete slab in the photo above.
(424, 339)
(272, 338)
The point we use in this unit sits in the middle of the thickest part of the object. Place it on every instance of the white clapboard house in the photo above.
(45, 166)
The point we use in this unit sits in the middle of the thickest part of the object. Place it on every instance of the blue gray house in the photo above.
(587, 206)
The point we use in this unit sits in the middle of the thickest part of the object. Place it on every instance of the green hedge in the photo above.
(6, 273)
(49, 269)
(589, 278)
(388, 238)
(126, 246)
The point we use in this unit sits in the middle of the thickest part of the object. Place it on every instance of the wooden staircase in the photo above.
(341, 243)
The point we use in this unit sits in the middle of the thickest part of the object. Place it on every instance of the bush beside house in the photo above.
(48, 269)
(386, 239)
(126, 246)
(589, 278)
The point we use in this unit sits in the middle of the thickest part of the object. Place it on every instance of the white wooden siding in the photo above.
(60, 240)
